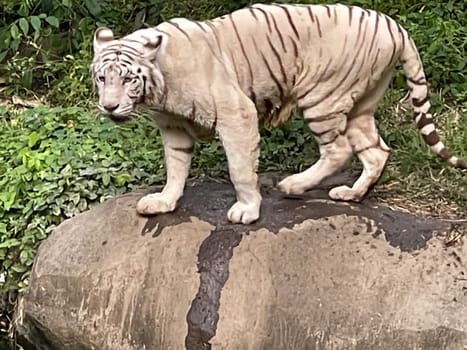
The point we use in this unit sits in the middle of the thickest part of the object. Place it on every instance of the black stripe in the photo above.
(216, 37)
(216, 115)
(328, 10)
(187, 150)
(362, 16)
(279, 60)
(343, 79)
(375, 62)
(432, 138)
(127, 53)
(125, 62)
(322, 118)
(200, 26)
(144, 88)
(322, 133)
(193, 110)
(445, 154)
(253, 96)
(290, 19)
(350, 15)
(420, 81)
(320, 33)
(176, 25)
(125, 48)
(311, 14)
(253, 13)
(243, 50)
(279, 33)
(419, 103)
(295, 47)
(374, 33)
(318, 82)
(271, 73)
(265, 16)
(377, 145)
(388, 22)
(399, 28)
(329, 142)
(424, 120)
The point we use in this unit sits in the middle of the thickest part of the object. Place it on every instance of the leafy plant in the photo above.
(58, 162)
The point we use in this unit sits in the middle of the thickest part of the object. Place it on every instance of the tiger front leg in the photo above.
(178, 150)
(240, 138)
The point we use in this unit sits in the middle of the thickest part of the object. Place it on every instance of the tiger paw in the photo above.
(155, 203)
(243, 213)
(345, 193)
(291, 185)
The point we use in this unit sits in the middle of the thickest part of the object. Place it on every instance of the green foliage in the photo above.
(46, 45)
(56, 163)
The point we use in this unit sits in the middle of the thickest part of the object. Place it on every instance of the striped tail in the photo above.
(416, 81)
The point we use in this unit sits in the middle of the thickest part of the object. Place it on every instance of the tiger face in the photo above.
(121, 73)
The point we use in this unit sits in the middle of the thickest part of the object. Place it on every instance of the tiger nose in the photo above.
(111, 108)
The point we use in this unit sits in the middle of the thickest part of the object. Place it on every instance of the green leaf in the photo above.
(94, 7)
(27, 79)
(24, 257)
(10, 243)
(53, 21)
(19, 268)
(33, 138)
(121, 180)
(14, 31)
(24, 25)
(36, 23)
(105, 179)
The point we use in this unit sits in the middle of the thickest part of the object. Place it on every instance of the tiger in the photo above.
(259, 65)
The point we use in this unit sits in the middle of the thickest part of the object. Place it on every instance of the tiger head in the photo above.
(125, 70)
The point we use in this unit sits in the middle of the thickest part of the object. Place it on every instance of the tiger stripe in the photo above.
(176, 25)
(281, 38)
(268, 22)
(291, 22)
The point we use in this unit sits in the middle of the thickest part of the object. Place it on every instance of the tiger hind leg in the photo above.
(335, 150)
(371, 150)
(365, 141)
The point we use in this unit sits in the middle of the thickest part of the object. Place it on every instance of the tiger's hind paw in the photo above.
(155, 203)
(292, 184)
(345, 193)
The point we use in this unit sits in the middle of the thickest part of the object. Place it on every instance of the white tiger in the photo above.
(263, 63)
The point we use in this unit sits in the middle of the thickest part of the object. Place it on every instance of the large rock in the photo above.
(311, 274)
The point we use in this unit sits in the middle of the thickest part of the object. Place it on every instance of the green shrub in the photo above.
(57, 162)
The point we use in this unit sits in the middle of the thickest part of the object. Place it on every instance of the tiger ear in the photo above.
(152, 42)
(102, 36)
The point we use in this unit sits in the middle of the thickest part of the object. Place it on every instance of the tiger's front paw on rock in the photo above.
(155, 203)
(345, 193)
(243, 213)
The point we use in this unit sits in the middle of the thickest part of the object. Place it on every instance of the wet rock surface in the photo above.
(310, 274)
